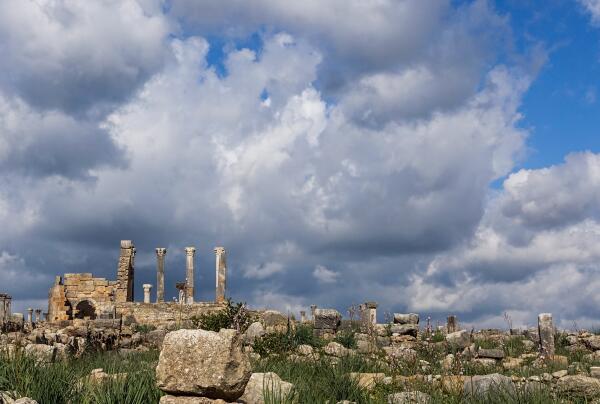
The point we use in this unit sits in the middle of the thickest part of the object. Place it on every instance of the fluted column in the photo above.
(220, 273)
(189, 281)
(160, 274)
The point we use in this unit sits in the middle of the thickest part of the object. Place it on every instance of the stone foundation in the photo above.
(163, 313)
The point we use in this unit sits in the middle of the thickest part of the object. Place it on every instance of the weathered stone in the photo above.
(274, 321)
(579, 386)
(269, 383)
(512, 363)
(327, 319)
(206, 363)
(25, 400)
(399, 353)
(305, 350)
(595, 371)
(461, 339)
(485, 362)
(410, 318)
(453, 384)
(490, 353)
(189, 400)
(560, 373)
(405, 329)
(41, 353)
(409, 397)
(592, 342)
(367, 380)
(254, 331)
(481, 385)
(366, 347)
(335, 349)
(546, 334)
(451, 324)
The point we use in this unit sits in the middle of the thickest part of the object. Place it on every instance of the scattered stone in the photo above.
(490, 353)
(400, 353)
(560, 373)
(405, 329)
(206, 363)
(592, 342)
(461, 339)
(595, 371)
(271, 383)
(409, 397)
(41, 353)
(512, 363)
(579, 386)
(254, 331)
(484, 362)
(410, 318)
(367, 380)
(189, 400)
(481, 385)
(335, 349)
(305, 350)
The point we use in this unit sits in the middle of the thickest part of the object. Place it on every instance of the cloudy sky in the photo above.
(437, 156)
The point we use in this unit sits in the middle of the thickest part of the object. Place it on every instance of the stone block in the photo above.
(410, 318)
(327, 319)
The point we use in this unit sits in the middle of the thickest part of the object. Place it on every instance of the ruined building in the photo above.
(5, 301)
(82, 296)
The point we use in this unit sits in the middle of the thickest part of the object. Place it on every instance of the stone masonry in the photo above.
(125, 272)
(5, 303)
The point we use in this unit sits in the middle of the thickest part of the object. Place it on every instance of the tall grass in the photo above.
(67, 382)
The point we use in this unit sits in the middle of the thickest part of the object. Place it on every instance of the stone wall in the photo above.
(68, 297)
(164, 313)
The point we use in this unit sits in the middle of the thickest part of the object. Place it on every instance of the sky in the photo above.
(436, 156)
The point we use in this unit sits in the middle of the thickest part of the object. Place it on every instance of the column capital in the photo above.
(147, 286)
(161, 252)
(126, 244)
(219, 250)
(190, 250)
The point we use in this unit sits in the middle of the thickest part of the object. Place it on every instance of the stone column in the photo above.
(160, 274)
(302, 316)
(451, 324)
(2, 308)
(38, 315)
(29, 315)
(546, 333)
(313, 307)
(189, 281)
(125, 273)
(220, 274)
(147, 290)
(368, 314)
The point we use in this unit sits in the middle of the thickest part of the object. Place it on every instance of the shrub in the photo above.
(279, 343)
(347, 339)
(234, 315)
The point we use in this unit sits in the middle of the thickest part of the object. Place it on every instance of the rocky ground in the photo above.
(272, 359)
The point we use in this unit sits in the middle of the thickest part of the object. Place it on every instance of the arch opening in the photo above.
(85, 310)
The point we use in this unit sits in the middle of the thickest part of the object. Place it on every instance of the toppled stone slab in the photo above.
(270, 383)
(405, 329)
(410, 318)
(189, 400)
(490, 353)
(367, 380)
(204, 363)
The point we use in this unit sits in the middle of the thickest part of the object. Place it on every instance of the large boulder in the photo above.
(328, 319)
(592, 342)
(482, 385)
(460, 339)
(579, 386)
(269, 384)
(203, 363)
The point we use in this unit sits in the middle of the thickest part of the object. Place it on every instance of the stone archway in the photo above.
(85, 310)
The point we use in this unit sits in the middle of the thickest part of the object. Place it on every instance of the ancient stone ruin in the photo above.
(83, 296)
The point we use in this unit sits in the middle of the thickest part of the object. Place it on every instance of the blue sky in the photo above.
(438, 156)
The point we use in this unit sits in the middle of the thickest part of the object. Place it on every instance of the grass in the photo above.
(65, 382)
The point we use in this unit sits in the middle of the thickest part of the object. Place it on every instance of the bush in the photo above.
(143, 328)
(279, 343)
(347, 339)
(234, 315)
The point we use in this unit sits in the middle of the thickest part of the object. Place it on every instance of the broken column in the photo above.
(368, 314)
(38, 315)
(189, 281)
(29, 315)
(546, 333)
(4, 308)
(147, 290)
(313, 308)
(451, 324)
(160, 274)
(125, 273)
(220, 274)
